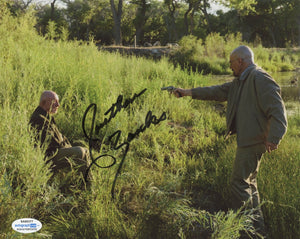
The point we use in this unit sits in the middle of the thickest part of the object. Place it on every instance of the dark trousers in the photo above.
(71, 158)
(244, 184)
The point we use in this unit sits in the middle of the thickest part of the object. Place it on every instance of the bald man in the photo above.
(59, 151)
(256, 113)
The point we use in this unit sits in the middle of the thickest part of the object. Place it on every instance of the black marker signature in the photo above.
(115, 137)
(117, 107)
(150, 119)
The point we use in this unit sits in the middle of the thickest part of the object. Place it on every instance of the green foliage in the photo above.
(212, 56)
(274, 23)
(282, 198)
(64, 34)
(51, 30)
(243, 6)
(276, 60)
(215, 46)
(176, 175)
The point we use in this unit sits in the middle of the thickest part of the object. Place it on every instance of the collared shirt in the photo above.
(242, 78)
(244, 74)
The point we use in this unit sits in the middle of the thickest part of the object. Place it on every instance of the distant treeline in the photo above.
(273, 23)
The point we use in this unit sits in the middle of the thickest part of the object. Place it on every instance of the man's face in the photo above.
(235, 65)
(52, 104)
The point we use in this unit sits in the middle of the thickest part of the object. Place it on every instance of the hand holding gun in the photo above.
(171, 89)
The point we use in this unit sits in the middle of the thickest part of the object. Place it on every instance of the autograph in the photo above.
(117, 107)
(115, 137)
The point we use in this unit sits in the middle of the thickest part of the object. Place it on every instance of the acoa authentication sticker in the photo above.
(26, 225)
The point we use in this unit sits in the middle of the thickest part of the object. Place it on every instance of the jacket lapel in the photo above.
(234, 98)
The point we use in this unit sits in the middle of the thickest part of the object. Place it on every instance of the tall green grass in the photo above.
(175, 180)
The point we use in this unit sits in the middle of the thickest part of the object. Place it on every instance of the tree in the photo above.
(171, 19)
(194, 6)
(21, 4)
(242, 6)
(45, 14)
(203, 8)
(275, 22)
(141, 18)
(191, 4)
(52, 10)
(17, 6)
(156, 28)
(117, 16)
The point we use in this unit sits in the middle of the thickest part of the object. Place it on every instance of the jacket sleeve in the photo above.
(217, 92)
(271, 103)
(37, 123)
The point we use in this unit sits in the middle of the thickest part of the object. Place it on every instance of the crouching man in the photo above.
(60, 154)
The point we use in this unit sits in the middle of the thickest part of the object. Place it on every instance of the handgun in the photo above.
(170, 89)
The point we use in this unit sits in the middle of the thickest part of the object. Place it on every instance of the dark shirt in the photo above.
(47, 132)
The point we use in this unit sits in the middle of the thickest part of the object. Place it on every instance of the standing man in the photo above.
(256, 113)
(59, 151)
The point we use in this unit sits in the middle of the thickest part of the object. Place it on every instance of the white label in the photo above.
(26, 225)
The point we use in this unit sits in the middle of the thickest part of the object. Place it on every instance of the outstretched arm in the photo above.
(217, 92)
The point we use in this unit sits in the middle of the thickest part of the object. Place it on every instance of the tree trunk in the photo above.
(194, 9)
(204, 10)
(117, 16)
(174, 35)
(186, 22)
(52, 10)
(140, 22)
(172, 23)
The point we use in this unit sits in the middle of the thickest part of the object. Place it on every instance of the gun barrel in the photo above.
(168, 88)
(171, 89)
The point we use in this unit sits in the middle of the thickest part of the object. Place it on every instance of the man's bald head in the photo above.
(245, 53)
(240, 58)
(49, 101)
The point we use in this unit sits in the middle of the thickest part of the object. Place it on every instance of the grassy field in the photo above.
(175, 179)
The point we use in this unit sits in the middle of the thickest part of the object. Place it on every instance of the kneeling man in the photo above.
(59, 150)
